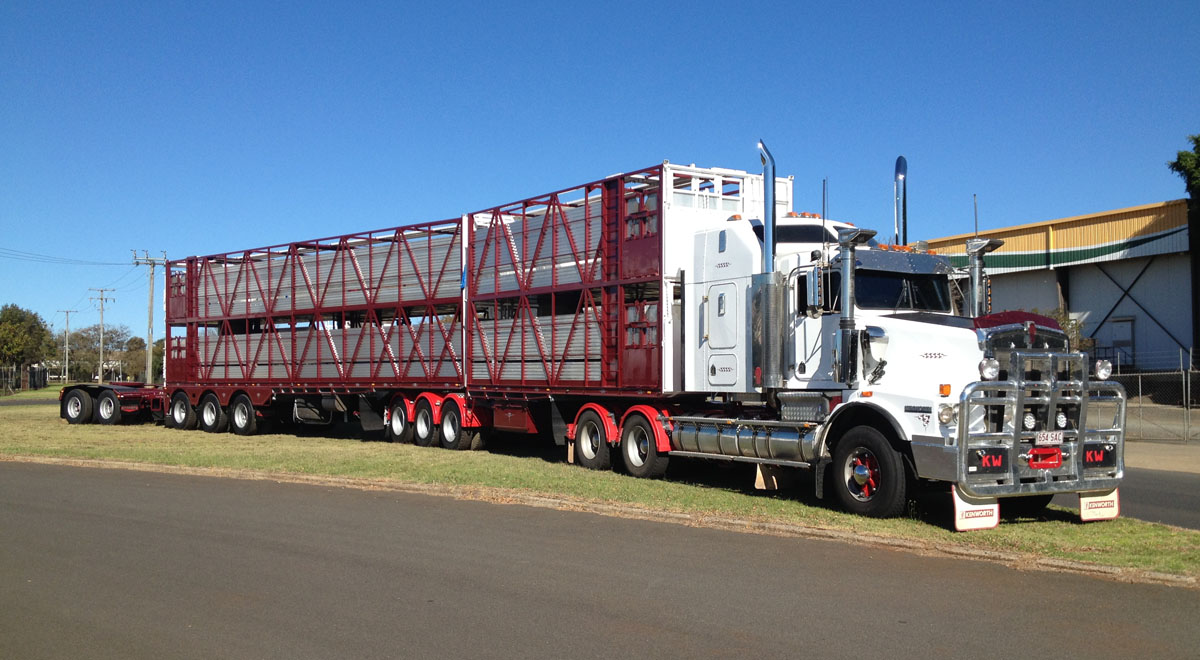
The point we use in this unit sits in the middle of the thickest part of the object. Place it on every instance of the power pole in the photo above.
(102, 300)
(146, 260)
(67, 342)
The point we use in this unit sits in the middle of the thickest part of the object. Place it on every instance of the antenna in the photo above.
(975, 199)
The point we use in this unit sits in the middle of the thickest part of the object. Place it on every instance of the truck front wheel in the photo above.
(869, 474)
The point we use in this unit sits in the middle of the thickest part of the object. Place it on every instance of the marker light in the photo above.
(989, 368)
(1103, 369)
(1061, 419)
(1029, 421)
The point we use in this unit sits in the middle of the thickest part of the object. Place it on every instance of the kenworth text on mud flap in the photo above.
(644, 318)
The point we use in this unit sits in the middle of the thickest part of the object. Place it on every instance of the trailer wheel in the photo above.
(869, 474)
(591, 442)
(77, 407)
(398, 429)
(183, 416)
(454, 436)
(1030, 506)
(108, 408)
(639, 451)
(242, 417)
(212, 416)
(427, 433)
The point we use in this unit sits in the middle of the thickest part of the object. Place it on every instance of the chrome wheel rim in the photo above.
(106, 408)
(861, 474)
(639, 446)
(450, 425)
(588, 440)
(74, 407)
(397, 421)
(241, 416)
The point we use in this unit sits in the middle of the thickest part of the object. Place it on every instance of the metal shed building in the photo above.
(1126, 274)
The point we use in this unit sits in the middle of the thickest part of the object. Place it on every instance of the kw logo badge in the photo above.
(1094, 456)
(992, 461)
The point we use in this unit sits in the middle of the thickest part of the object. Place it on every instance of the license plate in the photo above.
(1048, 438)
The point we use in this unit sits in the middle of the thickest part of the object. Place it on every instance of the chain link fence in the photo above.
(1161, 404)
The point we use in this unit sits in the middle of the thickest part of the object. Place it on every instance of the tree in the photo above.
(24, 337)
(1187, 165)
(85, 350)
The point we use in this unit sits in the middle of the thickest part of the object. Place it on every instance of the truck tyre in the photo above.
(242, 417)
(639, 451)
(591, 442)
(427, 433)
(77, 407)
(108, 408)
(868, 474)
(183, 416)
(454, 436)
(398, 428)
(212, 416)
(1030, 506)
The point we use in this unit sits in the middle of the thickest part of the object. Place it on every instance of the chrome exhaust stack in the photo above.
(976, 248)
(849, 239)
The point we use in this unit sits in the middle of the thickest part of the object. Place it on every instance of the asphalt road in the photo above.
(112, 564)
(1155, 495)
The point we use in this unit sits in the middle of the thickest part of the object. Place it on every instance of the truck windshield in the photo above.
(886, 290)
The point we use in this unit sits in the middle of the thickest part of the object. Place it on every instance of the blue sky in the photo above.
(204, 127)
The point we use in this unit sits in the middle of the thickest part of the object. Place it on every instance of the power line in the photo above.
(21, 255)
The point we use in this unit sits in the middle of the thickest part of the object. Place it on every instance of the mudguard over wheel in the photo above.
(425, 431)
(398, 428)
(638, 449)
(242, 417)
(591, 442)
(183, 416)
(868, 474)
(108, 408)
(212, 416)
(77, 407)
(454, 436)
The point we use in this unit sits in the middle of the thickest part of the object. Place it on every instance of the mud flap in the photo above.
(570, 452)
(774, 477)
(971, 513)
(1099, 505)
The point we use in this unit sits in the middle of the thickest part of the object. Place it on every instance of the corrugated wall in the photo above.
(1138, 231)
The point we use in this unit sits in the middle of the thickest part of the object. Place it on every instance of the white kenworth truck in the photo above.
(855, 362)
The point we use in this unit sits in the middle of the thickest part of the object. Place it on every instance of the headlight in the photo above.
(1103, 369)
(1029, 421)
(1061, 419)
(989, 368)
(947, 413)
